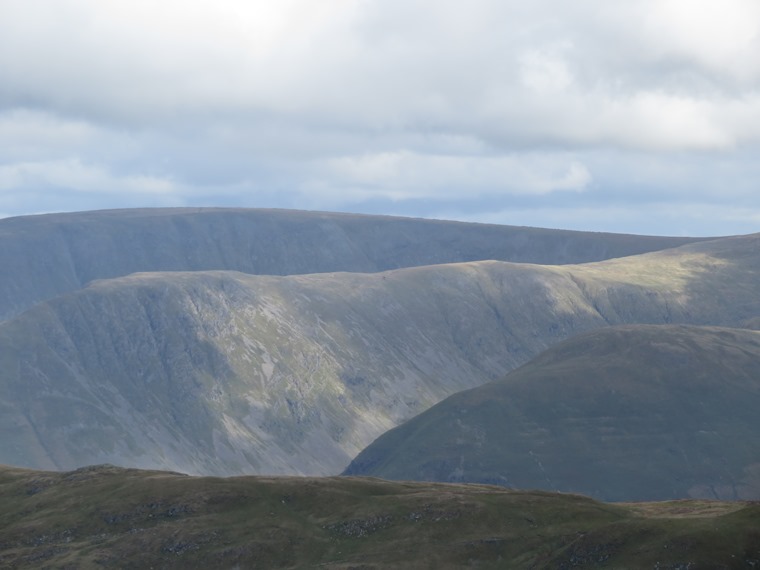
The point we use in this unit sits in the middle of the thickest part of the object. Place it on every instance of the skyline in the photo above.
(642, 118)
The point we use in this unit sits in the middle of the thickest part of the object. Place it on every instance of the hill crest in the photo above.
(48, 255)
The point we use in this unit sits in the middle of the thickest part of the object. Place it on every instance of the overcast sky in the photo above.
(636, 116)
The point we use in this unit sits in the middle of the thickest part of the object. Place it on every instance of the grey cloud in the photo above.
(531, 71)
(417, 107)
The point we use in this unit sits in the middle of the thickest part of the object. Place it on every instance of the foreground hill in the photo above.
(44, 256)
(108, 517)
(621, 413)
(227, 373)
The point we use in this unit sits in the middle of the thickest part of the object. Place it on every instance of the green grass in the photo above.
(107, 516)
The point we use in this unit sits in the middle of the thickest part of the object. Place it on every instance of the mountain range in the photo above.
(46, 255)
(229, 342)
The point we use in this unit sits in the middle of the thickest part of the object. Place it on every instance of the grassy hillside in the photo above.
(227, 373)
(44, 256)
(621, 414)
(104, 516)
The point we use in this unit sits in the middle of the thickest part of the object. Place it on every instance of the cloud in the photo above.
(718, 36)
(355, 103)
(406, 175)
(713, 219)
(541, 72)
(73, 175)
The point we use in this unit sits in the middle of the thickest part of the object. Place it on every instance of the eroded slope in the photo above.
(225, 373)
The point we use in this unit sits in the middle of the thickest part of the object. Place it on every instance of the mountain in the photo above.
(44, 256)
(228, 373)
(620, 413)
(108, 517)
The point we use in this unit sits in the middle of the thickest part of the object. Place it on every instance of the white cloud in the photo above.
(29, 136)
(73, 175)
(663, 219)
(659, 120)
(405, 175)
(544, 73)
(723, 36)
(348, 101)
(373, 65)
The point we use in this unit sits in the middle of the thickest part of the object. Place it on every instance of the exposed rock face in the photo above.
(44, 256)
(621, 413)
(222, 372)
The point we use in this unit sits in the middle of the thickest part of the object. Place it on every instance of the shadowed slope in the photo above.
(622, 413)
(104, 516)
(44, 256)
(226, 373)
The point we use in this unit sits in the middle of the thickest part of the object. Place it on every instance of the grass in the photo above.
(126, 518)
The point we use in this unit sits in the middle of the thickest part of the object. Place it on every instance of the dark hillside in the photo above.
(622, 414)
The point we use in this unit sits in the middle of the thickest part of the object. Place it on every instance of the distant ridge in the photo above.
(46, 255)
(622, 414)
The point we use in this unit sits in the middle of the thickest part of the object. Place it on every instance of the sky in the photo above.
(641, 116)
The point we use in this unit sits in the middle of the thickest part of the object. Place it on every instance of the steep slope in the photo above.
(623, 414)
(107, 517)
(44, 256)
(225, 373)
